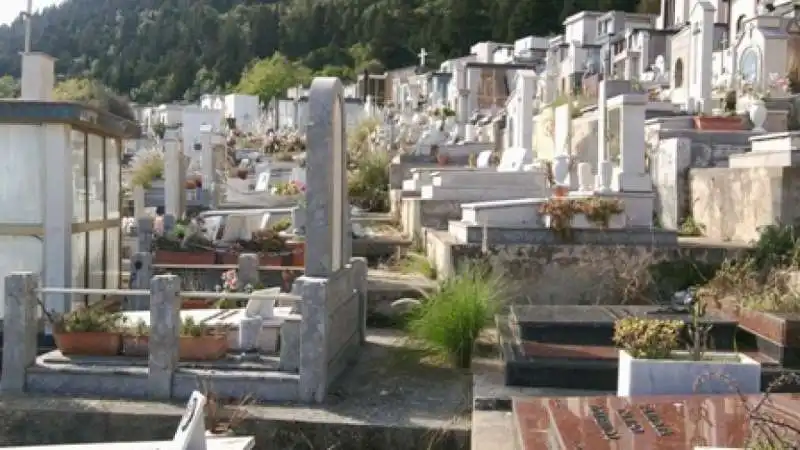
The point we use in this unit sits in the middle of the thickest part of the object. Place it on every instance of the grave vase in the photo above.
(758, 114)
(561, 169)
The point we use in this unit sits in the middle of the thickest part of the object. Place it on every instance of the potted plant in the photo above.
(183, 246)
(135, 339)
(230, 283)
(89, 331)
(146, 167)
(200, 342)
(600, 211)
(726, 122)
(559, 213)
(650, 364)
(242, 173)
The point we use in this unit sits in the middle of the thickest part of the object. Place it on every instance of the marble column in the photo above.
(174, 178)
(604, 166)
(633, 176)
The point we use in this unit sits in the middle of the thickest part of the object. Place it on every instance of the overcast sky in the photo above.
(10, 9)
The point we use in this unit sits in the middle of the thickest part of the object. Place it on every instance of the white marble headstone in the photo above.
(191, 432)
(262, 183)
(484, 159)
(512, 159)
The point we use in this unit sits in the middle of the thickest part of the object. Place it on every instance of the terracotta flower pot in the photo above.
(718, 123)
(298, 253)
(270, 260)
(188, 258)
(135, 345)
(442, 160)
(560, 191)
(190, 184)
(89, 343)
(202, 348)
(195, 303)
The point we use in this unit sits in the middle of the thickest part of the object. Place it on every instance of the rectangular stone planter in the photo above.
(579, 221)
(719, 373)
(188, 258)
(718, 123)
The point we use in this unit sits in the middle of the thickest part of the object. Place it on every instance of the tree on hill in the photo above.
(164, 50)
(270, 77)
(9, 87)
(94, 94)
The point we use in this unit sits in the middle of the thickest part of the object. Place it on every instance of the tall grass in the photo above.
(368, 181)
(451, 318)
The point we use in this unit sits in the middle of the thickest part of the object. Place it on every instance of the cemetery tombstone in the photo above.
(328, 245)
(700, 60)
(190, 434)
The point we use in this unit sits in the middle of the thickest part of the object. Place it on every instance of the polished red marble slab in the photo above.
(657, 423)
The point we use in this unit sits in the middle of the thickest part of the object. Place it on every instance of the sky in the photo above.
(10, 9)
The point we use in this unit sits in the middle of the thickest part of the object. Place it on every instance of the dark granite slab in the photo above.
(582, 366)
(665, 422)
(594, 325)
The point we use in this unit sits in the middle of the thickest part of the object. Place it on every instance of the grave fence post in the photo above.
(141, 271)
(247, 270)
(359, 277)
(144, 234)
(165, 323)
(19, 330)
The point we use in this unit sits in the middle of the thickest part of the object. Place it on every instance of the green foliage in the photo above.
(94, 94)
(281, 225)
(368, 181)
(776, 245)
(191, 328)
(88, 319)
(690, 227)
(271, 77)
(165, 50)
(453, 316)
(647, 338)
(9, 87)
(412, 263)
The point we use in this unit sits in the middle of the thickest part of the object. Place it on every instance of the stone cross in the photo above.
(700, 57)
(328, 241)
(422, 55)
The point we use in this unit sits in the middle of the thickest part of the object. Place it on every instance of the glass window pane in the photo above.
(112, 257)
(112, 178)
(97, 252)
(78, 177)
(96, 174)
(78, 263)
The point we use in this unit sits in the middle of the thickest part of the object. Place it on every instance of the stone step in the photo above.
(491, 179)
(121, 377)
(594, 325)
(787, 141)
(476, 193)
(576, 366)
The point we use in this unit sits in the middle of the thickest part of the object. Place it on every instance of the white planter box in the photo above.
(720, 374)
(579, 221)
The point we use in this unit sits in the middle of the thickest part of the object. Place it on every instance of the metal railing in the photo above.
(181, 294)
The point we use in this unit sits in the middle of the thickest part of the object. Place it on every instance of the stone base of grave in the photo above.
(466, 233)
(571, 347)
(236, 376)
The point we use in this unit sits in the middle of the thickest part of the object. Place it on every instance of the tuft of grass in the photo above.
(417, 263)
(451, 318)
(368, 181)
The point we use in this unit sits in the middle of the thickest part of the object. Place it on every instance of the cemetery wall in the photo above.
(584, 274)
(732, 204)
(673, 152)
(49, 421)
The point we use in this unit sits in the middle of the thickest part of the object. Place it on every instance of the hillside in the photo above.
(163, 50)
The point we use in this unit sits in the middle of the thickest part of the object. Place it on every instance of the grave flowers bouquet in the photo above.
(293, 187)
(230, 283)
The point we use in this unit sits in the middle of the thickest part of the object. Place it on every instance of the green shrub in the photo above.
(417, 263)
(368, 181)
(776, 245)
(453, 316)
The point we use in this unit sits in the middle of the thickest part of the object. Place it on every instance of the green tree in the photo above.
(271, 77)
(95, 94)
(9, 87)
